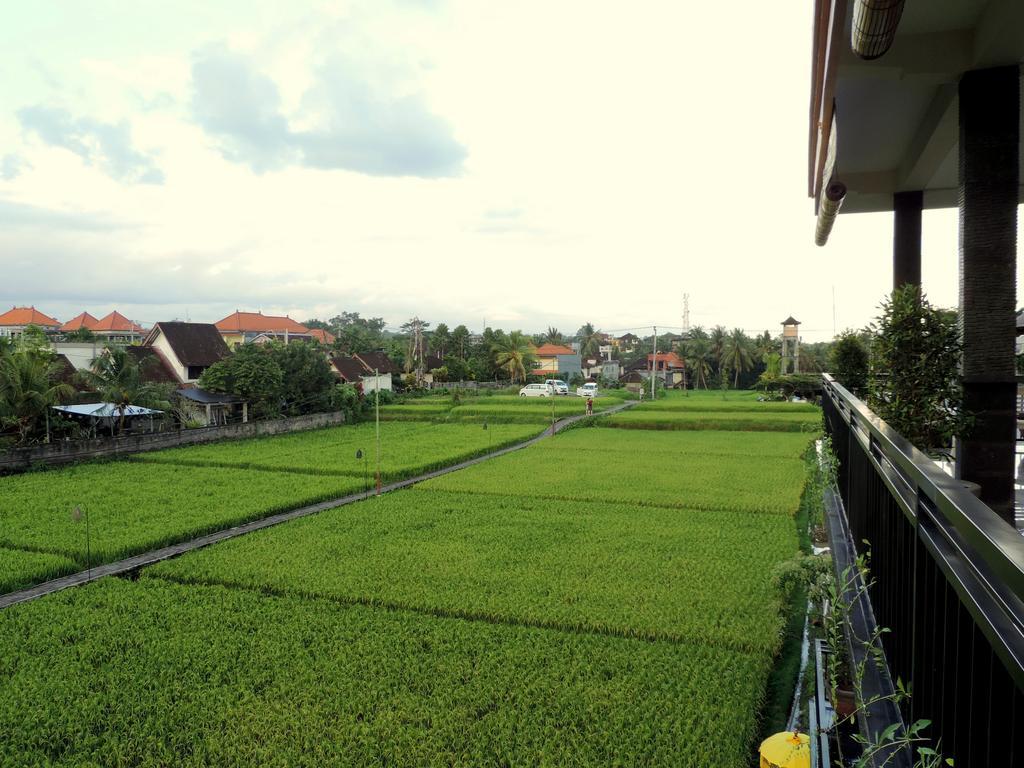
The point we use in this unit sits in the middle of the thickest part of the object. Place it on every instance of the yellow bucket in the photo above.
(786, 750)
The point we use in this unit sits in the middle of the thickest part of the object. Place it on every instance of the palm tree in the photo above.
(590, 340)
(736, 355)
(717, 341)
(697, 354)
(553, 336)
(29, 385)
(117, 378)
(513, 353)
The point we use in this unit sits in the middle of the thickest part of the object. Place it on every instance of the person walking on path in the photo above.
(590, 406)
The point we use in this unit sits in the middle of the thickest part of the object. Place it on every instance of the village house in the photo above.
(244, 327)
(555, 361)
(14, 322)
(113, 328)
(354, 369)
(187, 349)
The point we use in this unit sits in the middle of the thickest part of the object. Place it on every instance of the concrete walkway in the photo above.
(136, 562)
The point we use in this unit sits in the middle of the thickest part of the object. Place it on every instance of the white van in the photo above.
(557, 386)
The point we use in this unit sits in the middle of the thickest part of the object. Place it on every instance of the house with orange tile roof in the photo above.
(555, 361)
(243, 327)
(324, 337)
(117, 327)
(78, 322)
(14, 321)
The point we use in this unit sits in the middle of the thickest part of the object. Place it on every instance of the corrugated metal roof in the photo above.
(105, 410)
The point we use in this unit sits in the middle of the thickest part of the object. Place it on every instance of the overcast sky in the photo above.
(527, 163)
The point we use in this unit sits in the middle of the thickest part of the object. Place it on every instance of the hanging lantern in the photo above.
(874, 26)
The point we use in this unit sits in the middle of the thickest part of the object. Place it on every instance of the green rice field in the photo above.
(603, 597)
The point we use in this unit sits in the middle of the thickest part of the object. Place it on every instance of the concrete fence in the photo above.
(69, 451)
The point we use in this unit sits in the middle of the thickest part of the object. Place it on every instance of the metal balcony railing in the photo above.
(948, 583)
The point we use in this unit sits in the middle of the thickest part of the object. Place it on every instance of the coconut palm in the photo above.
(697, 353)
(736, 354)
(590, 340)
(117, 378)
(513, 353)
(29, 385)
(716, 340)
(553, 336)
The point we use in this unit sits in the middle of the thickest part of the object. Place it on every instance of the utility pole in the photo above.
(376, 390)
(654, 361)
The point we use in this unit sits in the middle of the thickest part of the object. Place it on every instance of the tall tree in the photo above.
(118, 378)
(716, 340)
(697, 353)
(553, 336)
(513, 354)
(29, 385)
(460, 341)
(736, 356)
(440, 340)
(590, 340)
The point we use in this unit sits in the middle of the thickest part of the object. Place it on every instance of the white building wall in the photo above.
(180, 371)
(79, 353)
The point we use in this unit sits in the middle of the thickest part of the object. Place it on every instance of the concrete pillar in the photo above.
(906, 238)
(989, 181)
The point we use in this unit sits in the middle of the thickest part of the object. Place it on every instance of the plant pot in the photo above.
(846, 703)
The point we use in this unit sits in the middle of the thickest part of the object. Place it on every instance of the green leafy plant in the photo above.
(914, 381)
(849, 362)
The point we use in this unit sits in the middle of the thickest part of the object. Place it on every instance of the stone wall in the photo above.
(66, 452)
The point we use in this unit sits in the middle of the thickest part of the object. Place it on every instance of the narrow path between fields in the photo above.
(135, 562)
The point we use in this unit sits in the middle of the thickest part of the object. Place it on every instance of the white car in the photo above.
(557, 386)
(535, 390)
(587, 390)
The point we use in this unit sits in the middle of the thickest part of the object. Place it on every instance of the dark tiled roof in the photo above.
(154, 369)
(350, 369)
(197, 395)
(193, 343)
(433, 361)
(790, 321)
(378, 361)
(66, 372)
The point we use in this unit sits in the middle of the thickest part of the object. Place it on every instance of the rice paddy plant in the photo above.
(135, 507)
(766, 445)
(153, 673)
(696, 576)
(685, 481)
(809, 422)
(406, 449)
(22, 568)
(707, 404)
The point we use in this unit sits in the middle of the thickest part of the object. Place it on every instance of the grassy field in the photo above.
(604, 597)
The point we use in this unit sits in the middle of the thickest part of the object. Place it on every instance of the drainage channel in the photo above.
(135, 562)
